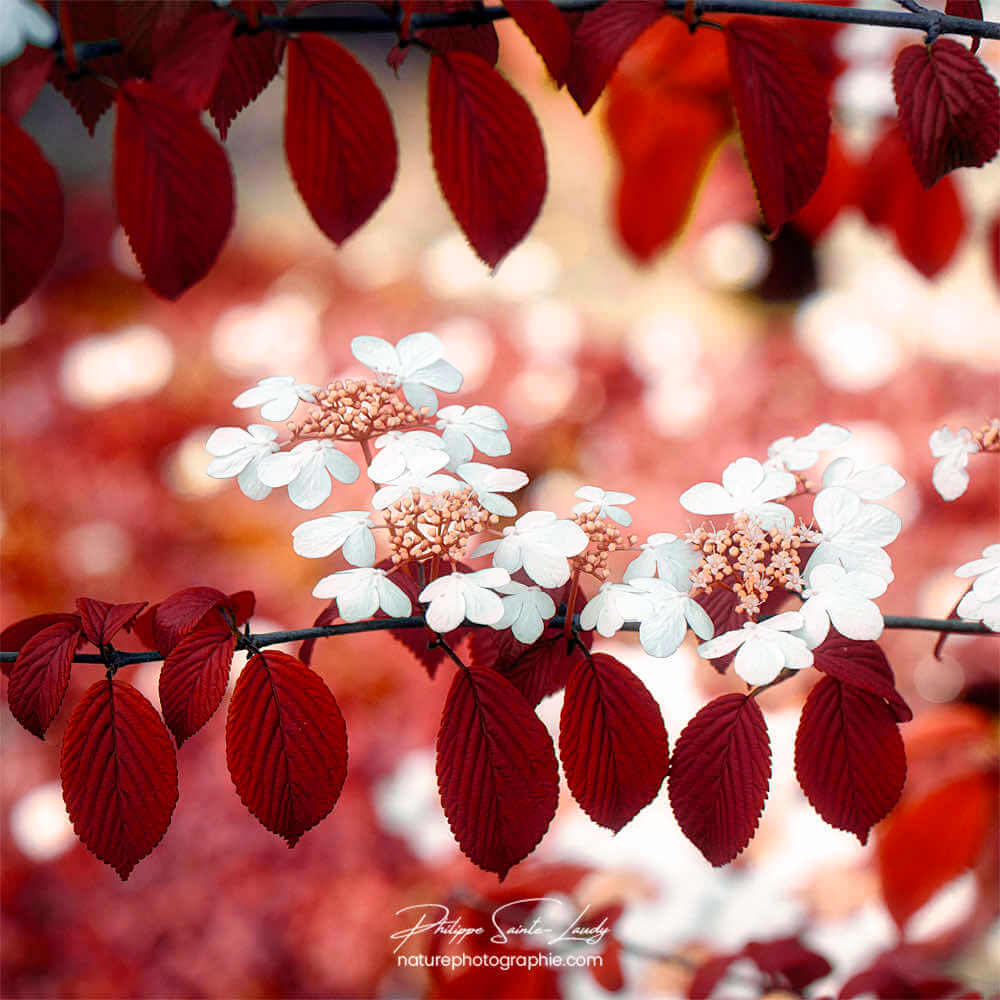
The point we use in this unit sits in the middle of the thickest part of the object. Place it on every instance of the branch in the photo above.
(417, 621)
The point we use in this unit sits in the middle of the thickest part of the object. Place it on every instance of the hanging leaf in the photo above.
(14, 636)
(488, 153)
(31, 215)
(849, 756)
(339, 139)
(783, 114)
(194, 677)
(496, 770)
(119, 774)
(180, 613)
(286, 744)
(612, 741)
(103, 621)
(719, 776)
(836, 192)
(22, 79)
(479, 39)
(863, 665)
(966, 8)
(949, 108)
(192, 65)
(40, 675)
(173, 187)
(547, 31)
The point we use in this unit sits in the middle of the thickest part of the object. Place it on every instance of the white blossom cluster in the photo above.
(847, 570)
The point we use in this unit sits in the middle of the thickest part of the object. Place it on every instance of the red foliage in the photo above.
(479, 39)
(14, 636)
(488, 153)
(22, 79)
(172, 619)
(173, 187)
(949, 108)
(40, 676)
(31, 209)
(966, 8)
(547, 30)
(836, 191)
(612, 741)
(719, 776)
(191, 66)
(119, 774)
(103, 621)
(286, 744)
(862, 665)
(496, 769)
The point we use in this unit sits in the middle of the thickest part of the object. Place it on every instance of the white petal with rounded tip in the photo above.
(342, 468)
(699, 619)
(709, 499)
(377, 354)
(249, 482)
(758, 662)
(662, 636)
(417, 350)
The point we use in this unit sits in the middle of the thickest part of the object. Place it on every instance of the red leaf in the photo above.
(949, 108)
(479, 39)
(788, 960)
(119, 774)
(22, 79)
(240, 605)
(31, 215)
(180, 613)
(719, 776)
(784, 118)
(194, 678)
(286, 744)
(252, 63)
(928, 225)
(103, 621)
(966, 8)
(326, 617)
(339, 139)
(928, 842)
(190, 69)
(40, 675)
(173, 187)
(13, 637)
(143, 626)
(496, 769)
(849, 756)
(708, 975)
(836, 191)
(600, 40)
(612, 741)
(546, 29)
(488, 153)
(863, 665)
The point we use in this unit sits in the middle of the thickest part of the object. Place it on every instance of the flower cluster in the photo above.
(435, 506)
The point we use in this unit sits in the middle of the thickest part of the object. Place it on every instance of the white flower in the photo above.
(876, 483)
(747, 487)
(836, 596)
(306, 471)
(987, 573)
(277, 396)
(23, 22)
(458, 596)
(322, 536)
(664, 613)
(952, 450)
(606, 504)
(397, 448)
(765, 648)
(609, 608)
(421, 473)
(361, 592)
(464, 430)
(666, 556)
(414, 365)
(525, 611)
(487, 483)
(972, 609)
(539, 542)
(239, 453)
(853, 532)
(803, 453)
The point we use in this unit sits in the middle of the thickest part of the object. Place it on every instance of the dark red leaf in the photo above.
(719, 776)
(496, 769)
(547, 30)
(22, 79)
(31, 215)
(286, 744)
(905, 971)
(103, 621)
(479, 39)
(488, 153)
(252, 64)
(849, 756)
(600, 40)
(784, 118)
(40, 675)
(788, 961)
(862, 665)
(191, 67)
(145, 26)
(326, 617)
(339, 139)
(240, 605)
(836, 191)
(966, 8)
(608, 974)
(119, 774)
(180, 614)
(173, 187)
(708, 975)
(143, 627)
(612, 741)
(194, 677)
(928, 225)
(13, 637)
(949, 108)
